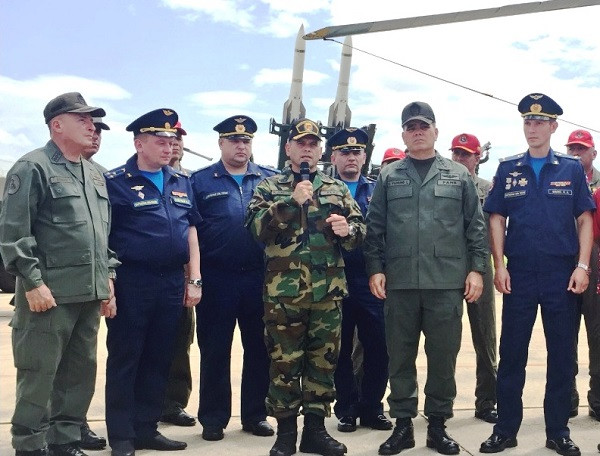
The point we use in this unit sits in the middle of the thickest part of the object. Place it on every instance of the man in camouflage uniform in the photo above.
(304, 218)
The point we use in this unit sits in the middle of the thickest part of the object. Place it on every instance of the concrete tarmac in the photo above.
(467, 430)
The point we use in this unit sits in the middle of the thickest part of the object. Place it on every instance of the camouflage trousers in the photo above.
(303, 341)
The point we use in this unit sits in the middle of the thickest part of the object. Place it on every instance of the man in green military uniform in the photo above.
(466, 150)
(54, 238)
(304, 218)
(425, 252)
(89, 439)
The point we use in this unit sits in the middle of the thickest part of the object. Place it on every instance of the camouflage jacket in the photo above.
(302, 252)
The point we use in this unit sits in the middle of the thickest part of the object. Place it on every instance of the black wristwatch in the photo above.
(197, 282)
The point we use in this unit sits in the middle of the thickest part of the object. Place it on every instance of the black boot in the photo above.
(287, 433)
(89, 439)
(438, 438)
(315, 438)
(402, 437)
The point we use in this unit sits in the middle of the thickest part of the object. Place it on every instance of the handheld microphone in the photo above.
(304, 176)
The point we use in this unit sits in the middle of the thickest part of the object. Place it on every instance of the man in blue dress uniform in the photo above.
(545, 196)
(233, 271)
(361, 310)
(154, 235)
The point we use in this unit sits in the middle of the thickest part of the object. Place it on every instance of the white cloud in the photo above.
(222, 98)
(227, 11)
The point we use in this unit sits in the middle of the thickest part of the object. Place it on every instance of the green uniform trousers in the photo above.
(303, 341)
(482, 319)
(55, 357)
(179, 386)
(436, 313)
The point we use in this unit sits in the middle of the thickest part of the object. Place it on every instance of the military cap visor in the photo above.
(71, 102)
(417, 110)
(236, 127)
(160, 122)
(97, 121)
(302, 128)
(537, 106)
(348, 139)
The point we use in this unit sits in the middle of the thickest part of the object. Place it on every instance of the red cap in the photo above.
(180, 131)
(467, 142)
(392, 154)
(582, 137)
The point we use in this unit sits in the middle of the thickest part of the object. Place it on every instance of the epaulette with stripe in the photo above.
(114, 173)
(512, 157)
(563, 155)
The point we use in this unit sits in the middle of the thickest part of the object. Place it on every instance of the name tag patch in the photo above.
(330, 192)
(181, 200)
(515, 194)
(448, 182)
(399, 182)
(215, 195)
(151, 202)
(560, 192)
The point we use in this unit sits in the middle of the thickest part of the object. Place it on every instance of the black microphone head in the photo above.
(304, 168)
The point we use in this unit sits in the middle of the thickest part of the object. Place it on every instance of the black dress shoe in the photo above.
(574, 412)
(564, 446)
(89, 439)
(346, 424)
(489, 415)
(402, 437)
(160, 443)
(497, 443)
(594, 413)
(260, 428)
(212, 433)
(379, 422)
(179, 418)
(67, 449)
(122, 448)
(114, 452)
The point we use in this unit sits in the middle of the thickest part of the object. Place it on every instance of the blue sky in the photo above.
(209, 60)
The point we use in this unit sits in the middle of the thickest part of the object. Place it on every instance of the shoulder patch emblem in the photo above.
(14, 184)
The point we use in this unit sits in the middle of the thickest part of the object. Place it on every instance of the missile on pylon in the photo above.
(293, 108)
(339, 112)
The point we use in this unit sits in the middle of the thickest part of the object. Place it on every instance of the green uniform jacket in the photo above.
(425, 234)
(54, 228)
(595, 181)
(303, 255)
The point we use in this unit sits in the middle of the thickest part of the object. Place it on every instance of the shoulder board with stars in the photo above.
(114, 173)
(269, 168)
(563, 155)
(512, 157)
